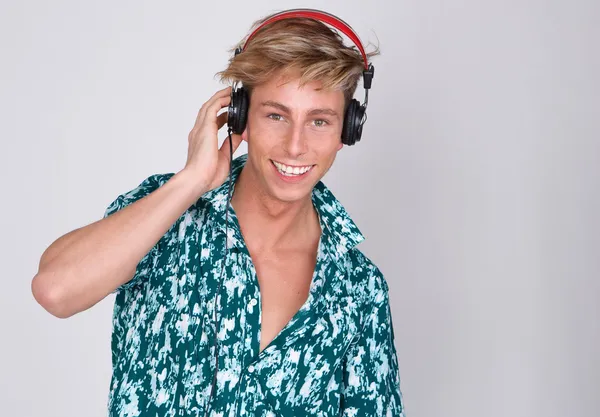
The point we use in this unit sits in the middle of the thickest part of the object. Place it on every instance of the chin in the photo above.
(287, 198)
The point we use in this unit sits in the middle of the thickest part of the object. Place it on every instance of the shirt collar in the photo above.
(339, 232)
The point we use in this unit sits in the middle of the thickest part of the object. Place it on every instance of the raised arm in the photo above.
(82, 267)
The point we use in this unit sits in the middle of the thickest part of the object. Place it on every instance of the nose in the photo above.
(295, 142)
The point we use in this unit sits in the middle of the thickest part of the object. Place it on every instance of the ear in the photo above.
(245, 134)
(340, 146)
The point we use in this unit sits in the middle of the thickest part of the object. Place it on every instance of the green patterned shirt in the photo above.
(335, 357)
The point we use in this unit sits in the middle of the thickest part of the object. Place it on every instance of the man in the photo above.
(299, 317)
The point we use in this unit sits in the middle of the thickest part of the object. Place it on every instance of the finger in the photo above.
(211, 112)
(226, 92)
(218, 95)
(217, 105)
(237, 140)
(222, 119)
(235, 143)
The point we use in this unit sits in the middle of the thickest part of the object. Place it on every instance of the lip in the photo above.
(290, 165)
(291, 179)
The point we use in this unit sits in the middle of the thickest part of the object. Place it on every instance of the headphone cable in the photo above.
(218, 323)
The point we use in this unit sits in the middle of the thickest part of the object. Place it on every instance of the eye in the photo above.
(325, 122)
(274, 114)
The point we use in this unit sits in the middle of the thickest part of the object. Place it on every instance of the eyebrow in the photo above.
(285, 109)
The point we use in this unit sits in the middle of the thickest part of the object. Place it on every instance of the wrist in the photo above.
(192, 182)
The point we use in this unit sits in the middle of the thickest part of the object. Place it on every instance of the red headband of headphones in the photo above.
(317, 15)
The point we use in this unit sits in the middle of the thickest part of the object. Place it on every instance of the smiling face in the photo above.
(293, 136)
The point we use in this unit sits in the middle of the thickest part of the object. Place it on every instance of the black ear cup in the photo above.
(238, 111)
(352, 130)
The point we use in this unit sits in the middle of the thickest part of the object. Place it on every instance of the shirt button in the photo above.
(253, 302)
(251, 368)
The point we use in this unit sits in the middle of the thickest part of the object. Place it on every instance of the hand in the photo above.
(206, 163)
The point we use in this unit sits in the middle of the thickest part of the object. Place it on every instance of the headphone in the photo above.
(355, 114)
(238, 116)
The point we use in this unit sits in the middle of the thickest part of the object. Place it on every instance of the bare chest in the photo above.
(284, 281)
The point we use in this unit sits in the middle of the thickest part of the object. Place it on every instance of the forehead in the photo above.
(286, 89)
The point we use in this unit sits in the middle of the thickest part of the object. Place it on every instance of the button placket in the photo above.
(243, 391)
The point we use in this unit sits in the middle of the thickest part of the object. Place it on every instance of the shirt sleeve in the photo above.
(371, 378)
(148, 262)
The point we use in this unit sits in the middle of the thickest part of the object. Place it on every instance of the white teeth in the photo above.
(290, 171)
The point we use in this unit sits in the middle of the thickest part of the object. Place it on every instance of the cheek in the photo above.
(330, 146)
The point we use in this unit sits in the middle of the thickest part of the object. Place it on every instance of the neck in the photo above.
(268, 223)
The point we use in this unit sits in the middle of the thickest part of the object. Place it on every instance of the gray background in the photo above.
(476, 184)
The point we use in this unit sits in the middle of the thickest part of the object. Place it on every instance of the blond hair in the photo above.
(301, 47)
